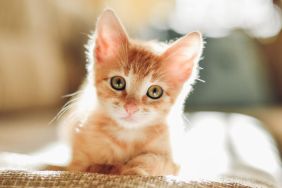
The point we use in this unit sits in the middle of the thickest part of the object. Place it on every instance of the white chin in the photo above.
(131, 123)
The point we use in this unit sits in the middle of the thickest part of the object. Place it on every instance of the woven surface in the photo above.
(68, 179)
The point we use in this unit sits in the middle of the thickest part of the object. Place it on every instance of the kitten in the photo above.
(121, 120)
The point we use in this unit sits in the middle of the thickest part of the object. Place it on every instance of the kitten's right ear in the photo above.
(111, 37)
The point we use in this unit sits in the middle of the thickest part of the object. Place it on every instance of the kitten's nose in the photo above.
(131, 108)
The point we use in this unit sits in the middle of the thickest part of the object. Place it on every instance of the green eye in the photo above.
(118, 83)
(155, 92)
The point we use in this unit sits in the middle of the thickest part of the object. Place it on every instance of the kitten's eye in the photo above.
(155, 92)
(118, 83)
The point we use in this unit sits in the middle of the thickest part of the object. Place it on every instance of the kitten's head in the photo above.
(136, 85)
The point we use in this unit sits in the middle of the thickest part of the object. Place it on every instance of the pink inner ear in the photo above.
(181, 71)
(179, 66)
(101, 49)
(110, 37)
(181, 57)
(104, 50)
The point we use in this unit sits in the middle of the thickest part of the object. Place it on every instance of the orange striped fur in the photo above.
(102, 139)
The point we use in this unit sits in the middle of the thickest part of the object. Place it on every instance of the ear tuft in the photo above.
(181, 57)
(110, 36)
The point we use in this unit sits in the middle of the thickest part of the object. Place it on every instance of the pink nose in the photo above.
(130, 108)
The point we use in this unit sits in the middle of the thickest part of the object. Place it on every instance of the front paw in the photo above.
(100, 168)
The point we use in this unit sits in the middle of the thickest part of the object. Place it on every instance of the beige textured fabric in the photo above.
(70, 179)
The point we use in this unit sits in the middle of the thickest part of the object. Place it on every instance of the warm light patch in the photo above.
(260, 18)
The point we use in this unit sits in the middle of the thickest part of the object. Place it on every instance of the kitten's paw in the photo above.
(134, 171)
(116, 169)
(77, 167)
(100, 168)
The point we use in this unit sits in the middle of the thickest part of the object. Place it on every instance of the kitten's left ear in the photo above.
(180, 58)
(111, 37)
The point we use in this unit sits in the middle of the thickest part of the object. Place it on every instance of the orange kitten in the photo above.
(121, 121)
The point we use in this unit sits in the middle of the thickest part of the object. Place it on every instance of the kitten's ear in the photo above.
(110, 36)
(180, 58)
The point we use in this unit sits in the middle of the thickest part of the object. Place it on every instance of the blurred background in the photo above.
(42, 57)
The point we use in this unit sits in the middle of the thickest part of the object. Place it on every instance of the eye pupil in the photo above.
(155, 91)
(118, 82)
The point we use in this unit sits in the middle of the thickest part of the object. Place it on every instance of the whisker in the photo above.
(188, 124)
(203, 81)
(67, 106)
(72, 94)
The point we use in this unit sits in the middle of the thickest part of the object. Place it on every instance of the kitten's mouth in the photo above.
(128, 118)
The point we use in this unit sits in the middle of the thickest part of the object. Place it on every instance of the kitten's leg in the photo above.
(150, 164)
(79, 162)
